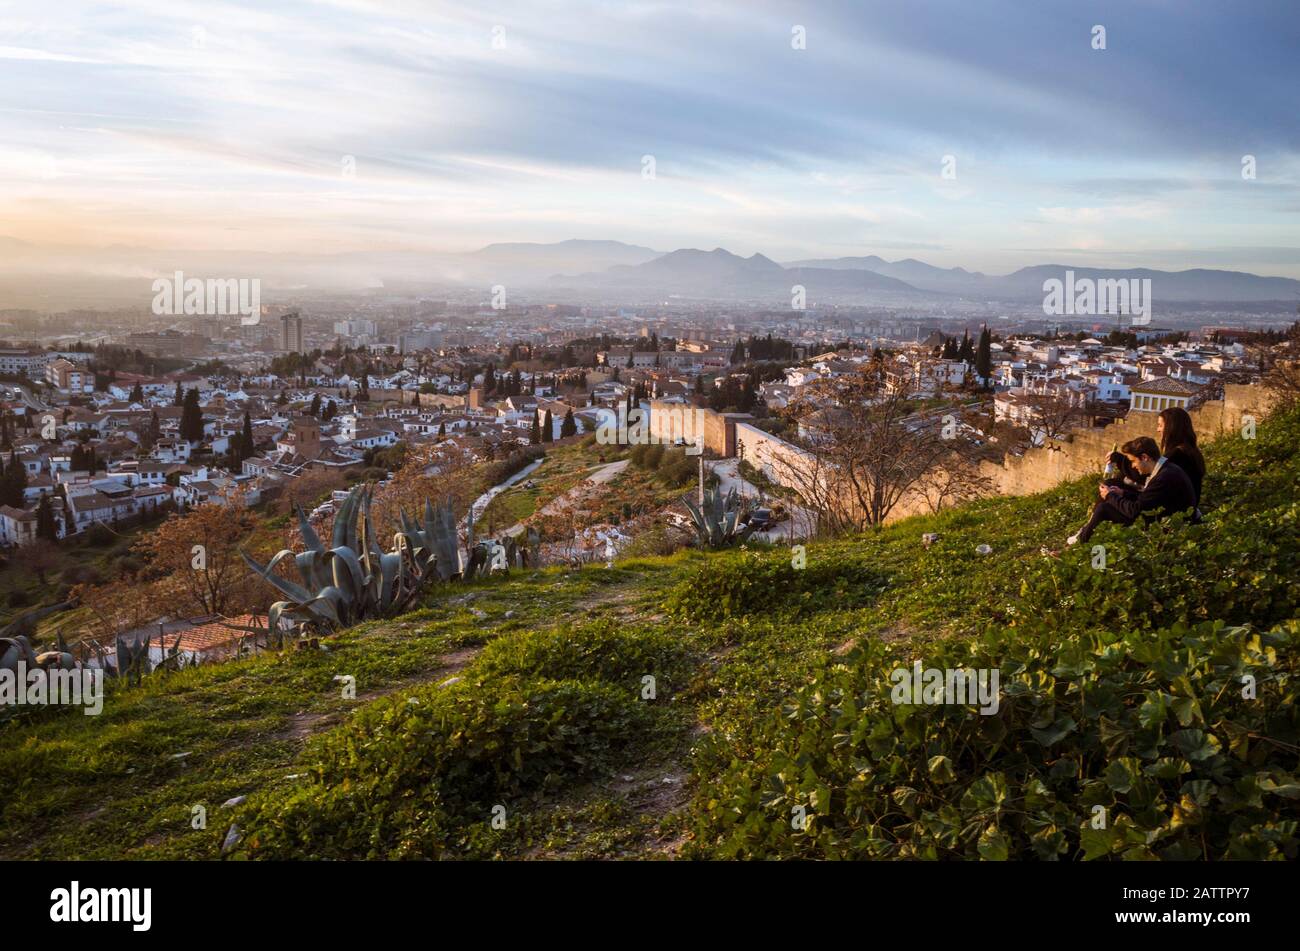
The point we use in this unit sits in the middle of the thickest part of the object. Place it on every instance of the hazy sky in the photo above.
(207, 124)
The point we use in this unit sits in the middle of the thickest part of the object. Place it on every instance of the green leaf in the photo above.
(993, 845)
(940, 768)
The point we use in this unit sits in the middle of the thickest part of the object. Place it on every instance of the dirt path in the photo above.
(600, 476)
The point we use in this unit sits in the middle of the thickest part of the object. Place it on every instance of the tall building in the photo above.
(291, 333)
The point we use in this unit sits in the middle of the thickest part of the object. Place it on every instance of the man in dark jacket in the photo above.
(1167, 490)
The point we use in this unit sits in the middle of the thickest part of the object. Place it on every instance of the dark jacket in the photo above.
(1195, 468)
(1131, 480)
(1169, 491)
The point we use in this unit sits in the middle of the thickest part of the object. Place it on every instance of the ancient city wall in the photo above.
(772, 455)
(442, 401)
(1047, 466)
(1036, 471)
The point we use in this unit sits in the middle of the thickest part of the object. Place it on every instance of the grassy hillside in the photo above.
(515, 718)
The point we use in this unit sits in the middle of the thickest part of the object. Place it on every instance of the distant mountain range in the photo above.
(721, 274)
(31, 275)
(1199, 284)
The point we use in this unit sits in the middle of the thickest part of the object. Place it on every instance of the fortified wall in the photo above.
(732, 435)
(1085, 452)
(439, 401)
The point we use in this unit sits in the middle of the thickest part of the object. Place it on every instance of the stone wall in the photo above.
(671, 421)
(438, 401)
(772, 455)
(1042, 468)
(1037, 470)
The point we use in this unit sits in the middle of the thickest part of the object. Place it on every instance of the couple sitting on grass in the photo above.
(1151, 479)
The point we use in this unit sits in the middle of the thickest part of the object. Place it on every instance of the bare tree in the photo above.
(1055, 412)
(864, 457)
(1281, 365)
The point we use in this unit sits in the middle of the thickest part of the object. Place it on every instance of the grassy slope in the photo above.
(564, 466)
(111, 786)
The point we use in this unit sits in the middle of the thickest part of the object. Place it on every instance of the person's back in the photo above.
(1193, 466)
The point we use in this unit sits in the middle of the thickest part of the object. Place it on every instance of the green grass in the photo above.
(563, 468)
(750, 656)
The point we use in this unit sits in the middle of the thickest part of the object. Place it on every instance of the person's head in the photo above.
(1143, 452)
(1174, 429)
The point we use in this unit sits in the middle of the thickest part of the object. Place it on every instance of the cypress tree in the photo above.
(15, 482)
(983, 357)
(192, 418)
(246, 444)
(45, 525)
(548, 428)
(570, 425)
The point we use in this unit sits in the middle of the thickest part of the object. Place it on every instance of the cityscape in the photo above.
(689, 433)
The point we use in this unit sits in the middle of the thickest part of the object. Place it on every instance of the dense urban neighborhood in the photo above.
(86, 444)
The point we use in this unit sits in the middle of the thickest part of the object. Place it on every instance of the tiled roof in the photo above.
(1167, 386)
(216, 633)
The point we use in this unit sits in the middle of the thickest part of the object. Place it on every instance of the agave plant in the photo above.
(496, 554)
(132, 659)
(16, 650)
(354, 579)
(717, 521)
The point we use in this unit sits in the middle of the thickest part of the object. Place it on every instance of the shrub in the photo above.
(750, 582)
(128, 566)
(1239, 567)
(619, 655)
(678, 469)
(419, 779)
(498, 472)
(82, 574)
(657, 540)
(1152, 727)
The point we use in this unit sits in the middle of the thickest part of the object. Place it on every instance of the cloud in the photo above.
(205, 110)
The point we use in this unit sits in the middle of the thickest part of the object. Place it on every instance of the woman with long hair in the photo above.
(1177, 441)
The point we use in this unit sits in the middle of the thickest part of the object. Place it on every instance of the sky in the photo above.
(989, 134)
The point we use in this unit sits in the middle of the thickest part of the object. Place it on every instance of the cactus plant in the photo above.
(354, 579)
(132, 659)
(718, 521)
(15, 650)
